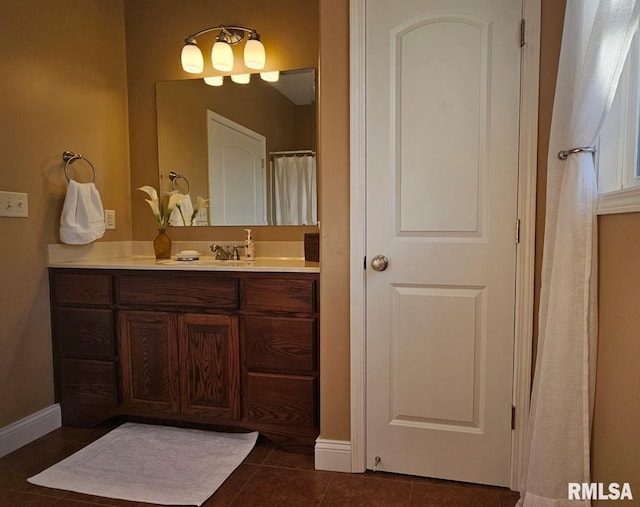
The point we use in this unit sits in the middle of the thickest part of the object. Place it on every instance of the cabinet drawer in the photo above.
(280, 294)
(178, 290)
(85, 333)
(280, 344)
(281, 399)
(82, 289)
(89, 382)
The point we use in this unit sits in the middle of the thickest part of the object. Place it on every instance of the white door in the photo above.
(237, 181)
(442, 99)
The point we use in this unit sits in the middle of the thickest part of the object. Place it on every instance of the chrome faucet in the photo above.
(221, 253)
(225, 254)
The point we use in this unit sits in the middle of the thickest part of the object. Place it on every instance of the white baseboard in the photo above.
(333, 455)
(30, 428)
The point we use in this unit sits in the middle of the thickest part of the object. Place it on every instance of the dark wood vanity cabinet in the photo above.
(179, 363)
(233, 349)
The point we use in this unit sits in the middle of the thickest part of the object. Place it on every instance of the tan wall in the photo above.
(616, 425)
(155, 33)
(64, 87)
(333, 148)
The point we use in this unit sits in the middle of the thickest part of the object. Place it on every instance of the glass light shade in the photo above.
(191, 58)
(214, 80)
(222, 56)
(271, 76)
(241, 78)
(254, 56)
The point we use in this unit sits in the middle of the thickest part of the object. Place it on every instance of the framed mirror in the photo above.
(248, 148)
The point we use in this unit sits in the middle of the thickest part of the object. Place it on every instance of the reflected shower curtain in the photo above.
(294, 190)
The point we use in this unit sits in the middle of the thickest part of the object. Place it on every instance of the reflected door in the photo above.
(237, 181)
(442, 100)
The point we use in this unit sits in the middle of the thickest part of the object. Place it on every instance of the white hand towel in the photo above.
(82, 219)
(186, 207)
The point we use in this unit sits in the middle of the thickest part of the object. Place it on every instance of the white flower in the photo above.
(200, 203)
(174, 199)
(151, 191)
(162, 213)
(154, 204)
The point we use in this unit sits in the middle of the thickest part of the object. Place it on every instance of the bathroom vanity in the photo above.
(234, 348)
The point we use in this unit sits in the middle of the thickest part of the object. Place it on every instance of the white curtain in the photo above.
(294, 184)
(595, 42)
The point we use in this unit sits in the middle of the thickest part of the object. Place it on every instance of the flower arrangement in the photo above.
(164, 209)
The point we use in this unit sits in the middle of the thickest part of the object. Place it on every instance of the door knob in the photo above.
(379, 263)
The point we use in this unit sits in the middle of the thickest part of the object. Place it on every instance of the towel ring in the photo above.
(173, 176)
(69, 158)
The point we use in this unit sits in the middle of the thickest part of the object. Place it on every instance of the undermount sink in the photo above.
(206, 261)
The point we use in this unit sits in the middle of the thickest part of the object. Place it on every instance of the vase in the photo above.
(162, 245)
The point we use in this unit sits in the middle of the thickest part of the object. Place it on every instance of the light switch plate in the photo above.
(110, 219)
(14, 204)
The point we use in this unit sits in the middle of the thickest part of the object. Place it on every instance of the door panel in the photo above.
(448, 344)
(237, 181)
(210, 365)
(440, 72)
(149, 361)
(442, 99)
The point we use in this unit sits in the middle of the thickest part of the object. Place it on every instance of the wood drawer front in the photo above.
(281, 399)
(280, 294)
(89, 382)
(280, 344)
(82, 289)
(85, 333)
(178, 290)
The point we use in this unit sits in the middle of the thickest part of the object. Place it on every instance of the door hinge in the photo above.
(517, 231)
(522, 39)
(262, 163)
(513, 417)
(364, 264)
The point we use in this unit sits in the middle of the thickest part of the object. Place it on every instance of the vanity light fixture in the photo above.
(214, 80)
(241, 78)
(221, 53)
(271, 76)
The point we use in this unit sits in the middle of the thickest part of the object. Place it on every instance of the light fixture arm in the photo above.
(229, 34)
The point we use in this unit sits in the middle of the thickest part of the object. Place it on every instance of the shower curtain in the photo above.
(595, 42)
(294, 190)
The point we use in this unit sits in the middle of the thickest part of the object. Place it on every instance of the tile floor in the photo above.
(267, 477)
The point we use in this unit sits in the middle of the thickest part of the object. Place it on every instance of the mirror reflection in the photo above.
(248, 148)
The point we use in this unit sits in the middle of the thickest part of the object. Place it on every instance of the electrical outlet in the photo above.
(110, 219)
(14, 204)
(201, 217)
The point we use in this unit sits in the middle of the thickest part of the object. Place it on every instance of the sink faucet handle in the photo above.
(220, 251)
(235, 255)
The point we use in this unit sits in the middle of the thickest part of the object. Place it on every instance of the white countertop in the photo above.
(206, 263)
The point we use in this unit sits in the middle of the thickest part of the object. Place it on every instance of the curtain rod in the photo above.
(295, 152)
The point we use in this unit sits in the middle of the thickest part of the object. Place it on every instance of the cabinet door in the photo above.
(209, 365)
(149, 361)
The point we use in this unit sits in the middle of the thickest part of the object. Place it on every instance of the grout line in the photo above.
(267, 456)
(326, 490)
(242, 488)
